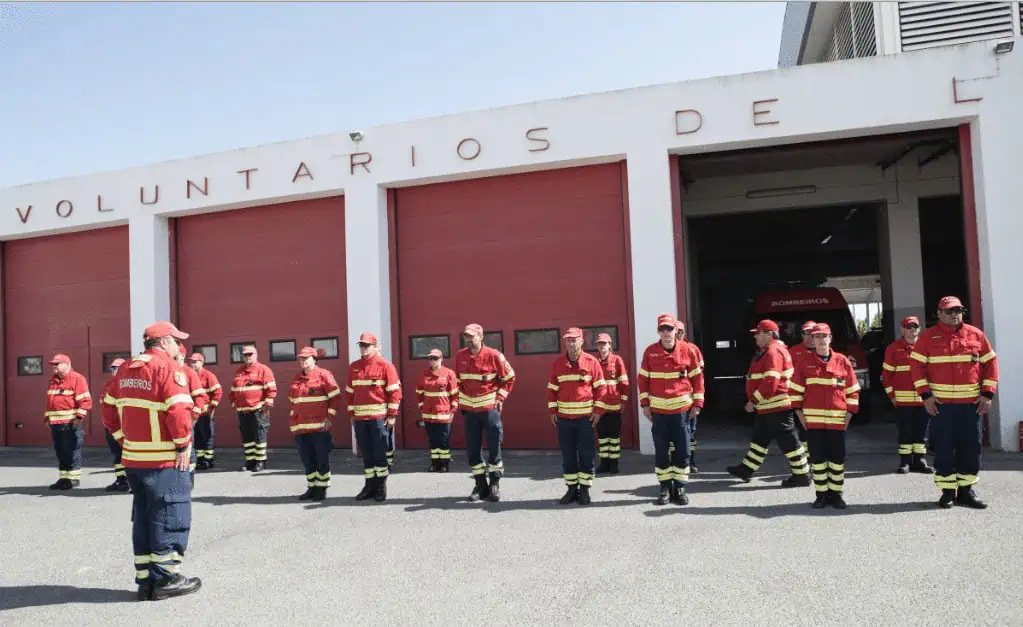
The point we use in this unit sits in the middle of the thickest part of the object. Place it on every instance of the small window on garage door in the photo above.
(283, 350)
(419, 346)
(30, 366)
(537, 342)
(493, 339)
(590, 337)
(110, 357)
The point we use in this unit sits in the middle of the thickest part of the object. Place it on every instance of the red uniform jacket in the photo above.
(896, 376)
(617, 378)
(767, 382)
(798, 352)
(107, 398)
(373, 389)
(253, 388)
(437, 394)
(483, 378)
(825, 391)
(576, 391)
(956, 366)
(670, 382)
(200, 400)
(211, 386)
(67, 399)
(151, 413)
(315, 398)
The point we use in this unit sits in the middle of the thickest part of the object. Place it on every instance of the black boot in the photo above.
(823, 500)
(740, 471)
(966, 496)
(948, 498)
(604, 465)
(678, 493)
(381, 491)
(209, 464)
(614, 466)
(584, 495)
(836, 500)
(176, 587)
(482, 489)
(495, 488)
(445, 465)
(201, 465)
(904, 462)
(145, 591)
(920, 465)
(308, 494)
(368, 490)
(796, 481)
(571, 494)
(258, 466)
(665, 494)
(246, 466)
(434, 465)
(319, 494)
(120, 484)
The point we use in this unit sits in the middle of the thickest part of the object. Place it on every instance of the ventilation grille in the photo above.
(852, 33)
(933, 24)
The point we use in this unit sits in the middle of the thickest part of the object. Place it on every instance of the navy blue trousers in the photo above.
(956, 436)
(390, 447)
(912, 423)
(439, 435)
(476, 424)
(254, 426)
(115, 450)
(202, 434)
(67, 444)
(371, 436)
(161, 516)
(578, 448)
(314, 449)
(670, 429)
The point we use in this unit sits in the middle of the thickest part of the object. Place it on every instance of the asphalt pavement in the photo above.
(738, 554)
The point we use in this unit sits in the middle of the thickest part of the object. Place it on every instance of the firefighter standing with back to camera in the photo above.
(120, 483)
(437, 397)
(609, 428)
(955, 371)
(670, 389)
(315, 398)
(67, 402)
(912, 418)
(373, 396)
(204, 427)
(825, 394)
(767, 388)
(151, 418)
(575, 400)
(253, 391)
(485, 379)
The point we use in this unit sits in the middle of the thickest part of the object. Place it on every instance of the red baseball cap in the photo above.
(604, 337)
(163, 329)
(949, 302)
(679, 324)
(196, 357)
(821, 328)
(367, 338)
(308, 351)
(116, 363)
(572, 332)
(473, 329)
(665, 320)
(435, 352)
(809, 325)
(766, 326)
(61, 358)
(910, 320)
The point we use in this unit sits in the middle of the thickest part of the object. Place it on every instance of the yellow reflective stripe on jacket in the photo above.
(677, 403)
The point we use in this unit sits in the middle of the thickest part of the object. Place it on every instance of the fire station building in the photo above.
(599, 211)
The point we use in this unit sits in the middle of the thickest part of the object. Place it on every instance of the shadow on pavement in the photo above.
(42, 490)
(793, 509)
(17, 597)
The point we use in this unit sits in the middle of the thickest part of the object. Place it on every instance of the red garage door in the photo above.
(526, 256)
(63, 294)
(270, 276)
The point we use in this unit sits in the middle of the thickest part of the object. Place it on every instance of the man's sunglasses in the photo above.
(954, 310)
(665, 329)
(912, 326)
(435, 359)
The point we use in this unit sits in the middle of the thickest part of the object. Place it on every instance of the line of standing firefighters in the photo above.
(802, 397)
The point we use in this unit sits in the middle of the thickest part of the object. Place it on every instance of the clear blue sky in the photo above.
(94, 87)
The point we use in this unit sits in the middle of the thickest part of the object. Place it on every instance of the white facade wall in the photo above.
(823, 101)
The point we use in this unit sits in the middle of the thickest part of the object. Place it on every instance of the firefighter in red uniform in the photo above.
(67, 402)
(680, 335)
(485, 379)
(798, 352)
(151, 418)
(767, 388)
(373, 395)
(437, 396)
(199, 405)
(204, 427)
(912, 419)
(609, 428)
(120, 483)
(670, 389)
(825, 394)
(575, 399)
(253, 391)
(955, 371)
(315, 398)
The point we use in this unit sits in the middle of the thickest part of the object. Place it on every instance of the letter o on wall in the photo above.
(465, 149)
(68, 208)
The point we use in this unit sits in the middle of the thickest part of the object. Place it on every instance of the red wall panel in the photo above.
(63, 294)
(525, 251)
(262, 274)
